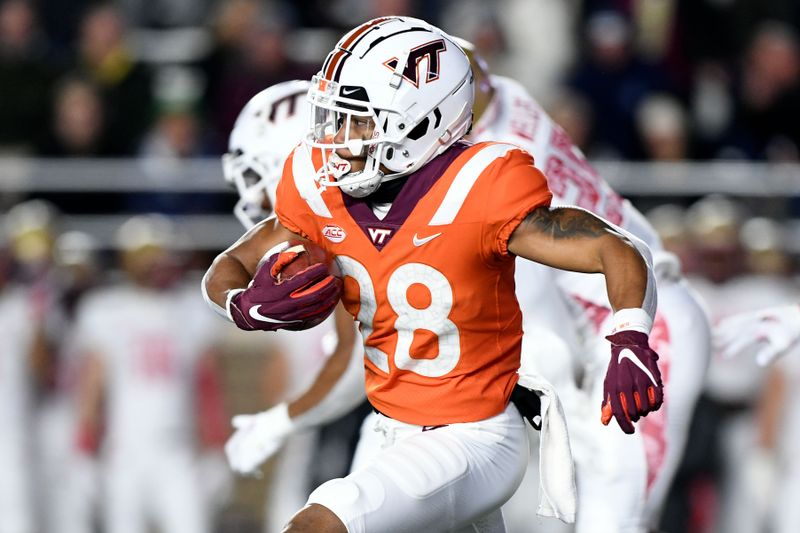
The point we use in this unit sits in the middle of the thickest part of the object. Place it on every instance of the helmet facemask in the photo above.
(251, 176)
(331, 112)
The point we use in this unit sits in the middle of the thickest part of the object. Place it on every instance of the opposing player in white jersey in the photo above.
(266, 131)
(19, 326)
(148, 344)
(638, 468)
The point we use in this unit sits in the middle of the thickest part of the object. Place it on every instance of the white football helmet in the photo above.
(411, 79)
(266, 131)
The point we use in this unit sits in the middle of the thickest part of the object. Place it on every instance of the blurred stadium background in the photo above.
(690, 108)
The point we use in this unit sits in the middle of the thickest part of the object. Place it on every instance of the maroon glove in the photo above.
(632, 387)
(271, 302)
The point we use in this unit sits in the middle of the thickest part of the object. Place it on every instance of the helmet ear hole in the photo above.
(389, 153)
(419, 130)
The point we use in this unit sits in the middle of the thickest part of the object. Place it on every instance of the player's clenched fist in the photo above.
(295, 287)
(632, 387)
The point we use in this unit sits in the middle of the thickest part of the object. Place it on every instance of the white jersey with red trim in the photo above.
(150, 343)
(17, 327)
(638, 468)
(514, 116)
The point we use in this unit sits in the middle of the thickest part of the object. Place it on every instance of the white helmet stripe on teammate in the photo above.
(267, 129)
(419, 99)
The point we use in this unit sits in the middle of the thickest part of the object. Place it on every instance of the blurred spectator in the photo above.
(573, 113)
(77, 126)
(178, 132)
(254, 60)
(614, 81)
(26, 73)
(165, 13)
(661, 122)
(768, 93)
(712, 110)
(125, 85)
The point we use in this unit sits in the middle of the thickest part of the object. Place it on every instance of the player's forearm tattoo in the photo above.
(566, 223)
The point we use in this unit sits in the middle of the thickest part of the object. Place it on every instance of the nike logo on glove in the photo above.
(420, 242)
(253, 312)
(628, 354)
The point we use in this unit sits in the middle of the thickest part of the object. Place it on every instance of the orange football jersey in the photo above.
(432, 283)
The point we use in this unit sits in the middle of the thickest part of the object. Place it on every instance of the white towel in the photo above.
(557, 493)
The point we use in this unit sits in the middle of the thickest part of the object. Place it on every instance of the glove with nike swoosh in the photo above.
(270, 302)
(632, 387)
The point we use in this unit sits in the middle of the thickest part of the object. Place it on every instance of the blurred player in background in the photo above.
(357, 182)
(23, 344)
(57, 269)
(149, 393)
(765, 335)
(637, 468)
(740, 268)
(68, 479)
(266, 131)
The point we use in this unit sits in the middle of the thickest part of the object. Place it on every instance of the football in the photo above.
(306, 254)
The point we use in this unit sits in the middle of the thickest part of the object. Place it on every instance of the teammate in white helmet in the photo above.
(385, 164)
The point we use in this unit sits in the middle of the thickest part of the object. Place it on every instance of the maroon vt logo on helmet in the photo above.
(429, 50)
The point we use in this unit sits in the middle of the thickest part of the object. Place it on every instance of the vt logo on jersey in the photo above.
(379, 235)
(430, 51)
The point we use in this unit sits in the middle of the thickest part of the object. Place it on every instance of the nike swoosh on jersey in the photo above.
(253, 312)
(420, 242)
(628, 354)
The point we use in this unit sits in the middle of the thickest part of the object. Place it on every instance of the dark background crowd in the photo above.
(631, 79)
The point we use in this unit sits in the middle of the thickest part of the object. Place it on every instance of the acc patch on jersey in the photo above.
(334, 233)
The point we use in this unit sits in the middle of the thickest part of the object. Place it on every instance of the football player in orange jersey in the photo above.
(425, 229)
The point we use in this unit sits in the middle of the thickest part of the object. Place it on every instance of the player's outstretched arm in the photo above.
(574, 239)
(769, 333)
